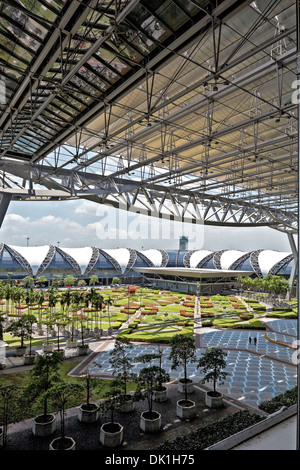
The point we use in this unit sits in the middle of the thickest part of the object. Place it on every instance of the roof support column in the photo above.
(294, 267)
(4, 203)
(298, 322)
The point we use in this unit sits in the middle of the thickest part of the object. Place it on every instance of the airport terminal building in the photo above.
(180, 269)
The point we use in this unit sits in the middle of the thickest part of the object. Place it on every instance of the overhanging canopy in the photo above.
(177, 108)
(194, 273)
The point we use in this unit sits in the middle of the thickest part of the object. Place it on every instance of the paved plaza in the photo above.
(257, 372)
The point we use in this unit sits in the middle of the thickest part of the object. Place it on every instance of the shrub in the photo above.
(205, 436)
(287, 398)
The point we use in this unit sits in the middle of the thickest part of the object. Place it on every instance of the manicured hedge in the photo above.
(287, 398)
(205, 436)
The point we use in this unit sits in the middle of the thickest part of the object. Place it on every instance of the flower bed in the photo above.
(188, 304)
(186, 314)
(129, 311)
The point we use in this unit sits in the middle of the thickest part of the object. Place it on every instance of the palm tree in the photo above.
(77, 300)
(52, 296)
(17, 294)
(30, 297)
(98, 303)
(91, 295)
(108, 302)
(2, 292)
(40, 298)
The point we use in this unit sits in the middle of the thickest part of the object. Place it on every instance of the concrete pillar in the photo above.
(4, 203)
(294, 266)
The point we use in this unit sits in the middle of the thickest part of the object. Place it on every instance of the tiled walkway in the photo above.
(256, 372)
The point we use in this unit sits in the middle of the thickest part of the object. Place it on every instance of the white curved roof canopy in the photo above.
(81, 255)
(121, 255)
(268, 258)
(153, 255)
(34, 255)
(198, 256)
(229, 257)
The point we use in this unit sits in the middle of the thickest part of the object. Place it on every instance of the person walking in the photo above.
(250, 339)
(255, 339)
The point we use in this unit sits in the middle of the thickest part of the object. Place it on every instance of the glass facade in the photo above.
(107, 266)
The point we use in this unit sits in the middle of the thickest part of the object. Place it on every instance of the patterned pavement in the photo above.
(256, 372)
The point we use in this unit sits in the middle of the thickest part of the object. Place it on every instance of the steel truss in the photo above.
(176, 110)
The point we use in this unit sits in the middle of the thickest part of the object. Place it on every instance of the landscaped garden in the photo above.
(36, 318)
(143, 314)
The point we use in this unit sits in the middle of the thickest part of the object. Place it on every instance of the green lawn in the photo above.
(21, 379)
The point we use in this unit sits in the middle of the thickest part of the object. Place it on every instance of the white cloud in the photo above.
(85, 223)
(86, 208)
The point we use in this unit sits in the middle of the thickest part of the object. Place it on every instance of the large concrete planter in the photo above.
(20, 351)
(186, 409)
(44, 427)
(71, 344)
(189, 386)
(128, 405)
(62, 444)
(214, 399)
(160, 395)
(82, 350)
(29, 358)
(150, 422)
(88, 413)
(48, 347)
(111, 434)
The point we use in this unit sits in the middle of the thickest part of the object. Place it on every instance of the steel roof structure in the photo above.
(176, 108)
(35, 261)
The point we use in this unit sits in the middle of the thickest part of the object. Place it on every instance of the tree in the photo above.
(112, 402)
(116, 280)
(11, 407)
(7, 294)
(81, 283)
(97, 302)
(2, 320)
(29, 319)
(17, 293)
(61, 395)
(108, 302)
(90, 384)
(29, 297)
(69, 280)
(59, 321)
(121, 363)
(27, 281)
(44, 374)
(57, 280)
(93, 280)
(183, 351)
(40, 298)
(149, 377)
(20, 328)
(212, 363)
(41, 280)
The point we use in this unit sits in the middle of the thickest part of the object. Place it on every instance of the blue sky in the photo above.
(83, 223)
